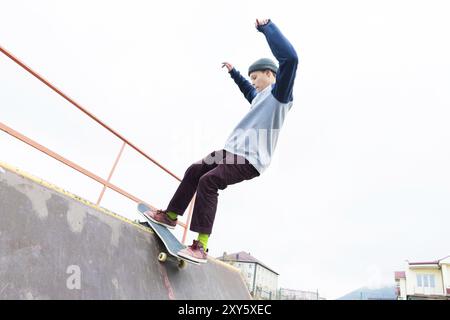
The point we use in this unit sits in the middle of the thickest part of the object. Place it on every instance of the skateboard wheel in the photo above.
(182, 264)
(162, 257)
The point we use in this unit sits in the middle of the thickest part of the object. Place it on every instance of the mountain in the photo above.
(365, 293)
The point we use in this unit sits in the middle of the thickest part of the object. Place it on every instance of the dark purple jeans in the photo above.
(216, 171)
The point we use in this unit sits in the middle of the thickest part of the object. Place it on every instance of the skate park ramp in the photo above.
(55, 245)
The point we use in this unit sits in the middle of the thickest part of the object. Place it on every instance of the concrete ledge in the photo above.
(55, 245)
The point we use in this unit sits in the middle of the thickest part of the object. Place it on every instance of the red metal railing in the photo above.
(106, 183)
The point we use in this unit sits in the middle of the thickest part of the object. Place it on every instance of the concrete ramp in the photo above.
(54, 245)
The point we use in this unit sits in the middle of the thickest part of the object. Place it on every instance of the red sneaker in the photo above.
(160, 217)
(195, 252)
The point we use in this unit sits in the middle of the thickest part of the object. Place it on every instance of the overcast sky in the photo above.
(360, 179)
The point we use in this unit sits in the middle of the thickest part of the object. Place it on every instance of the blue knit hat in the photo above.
(263, 64)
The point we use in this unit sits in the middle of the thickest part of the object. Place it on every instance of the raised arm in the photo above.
(243, 84)
(287, 58)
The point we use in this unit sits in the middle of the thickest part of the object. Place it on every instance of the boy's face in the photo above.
(261, 79)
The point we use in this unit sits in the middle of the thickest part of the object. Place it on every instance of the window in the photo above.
(432, 285)
(426, 280)
(419, 280)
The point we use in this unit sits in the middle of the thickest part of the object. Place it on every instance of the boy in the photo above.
(249, 148)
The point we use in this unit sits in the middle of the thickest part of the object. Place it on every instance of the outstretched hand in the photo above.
(261, 22)
(228, 65)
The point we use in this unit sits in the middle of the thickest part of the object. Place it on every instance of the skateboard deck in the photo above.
(173, 246)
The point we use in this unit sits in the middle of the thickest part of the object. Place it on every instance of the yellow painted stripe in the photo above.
(227, 265)
(55, 188)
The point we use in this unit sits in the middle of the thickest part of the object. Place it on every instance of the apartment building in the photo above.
(262, 281)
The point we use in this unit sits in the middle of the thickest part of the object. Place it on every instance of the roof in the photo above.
(244, 257)
(427, 262)
(400, 275)
(422, 263)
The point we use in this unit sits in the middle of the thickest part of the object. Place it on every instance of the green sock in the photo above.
(203, 238)
(172, 215)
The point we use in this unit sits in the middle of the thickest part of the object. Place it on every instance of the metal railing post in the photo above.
(188, 221)
(111, 173)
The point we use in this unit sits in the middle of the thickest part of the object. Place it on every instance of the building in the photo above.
(428, 280)
(261, 280)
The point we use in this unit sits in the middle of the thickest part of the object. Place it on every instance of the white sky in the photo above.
(360, 178)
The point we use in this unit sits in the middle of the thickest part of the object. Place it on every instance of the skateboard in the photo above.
(173, 246)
